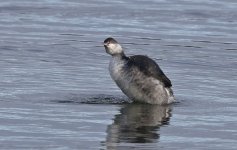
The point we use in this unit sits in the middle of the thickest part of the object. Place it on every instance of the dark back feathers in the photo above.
(149, 67)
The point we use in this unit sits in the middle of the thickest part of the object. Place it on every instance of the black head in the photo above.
(110, 40)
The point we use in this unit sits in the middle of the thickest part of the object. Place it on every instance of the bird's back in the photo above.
(149, 67)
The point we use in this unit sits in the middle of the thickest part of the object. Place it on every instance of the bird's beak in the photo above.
(105, 44)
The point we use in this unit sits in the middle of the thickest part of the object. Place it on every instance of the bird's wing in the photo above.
(149, 67)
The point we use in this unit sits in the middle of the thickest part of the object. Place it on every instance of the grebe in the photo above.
(138, 76)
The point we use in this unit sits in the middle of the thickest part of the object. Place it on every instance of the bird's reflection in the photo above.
(137, 123)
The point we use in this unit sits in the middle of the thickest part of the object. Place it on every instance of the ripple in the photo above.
(96, 99)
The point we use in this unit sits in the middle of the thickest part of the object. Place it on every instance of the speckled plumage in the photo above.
(139, 77)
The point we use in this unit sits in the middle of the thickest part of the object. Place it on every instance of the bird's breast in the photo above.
(119, 73)
(116, 68)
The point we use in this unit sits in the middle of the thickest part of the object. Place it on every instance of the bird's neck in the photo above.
(120, 56)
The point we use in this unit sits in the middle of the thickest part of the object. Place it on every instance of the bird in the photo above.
(139, 77)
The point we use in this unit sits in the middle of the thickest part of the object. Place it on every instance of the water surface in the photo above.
(56, 92)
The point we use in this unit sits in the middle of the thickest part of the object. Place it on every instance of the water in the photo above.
(56, 92)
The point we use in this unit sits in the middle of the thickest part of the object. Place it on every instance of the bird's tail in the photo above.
(170, 95)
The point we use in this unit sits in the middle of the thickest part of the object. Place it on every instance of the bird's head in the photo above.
(112, 47)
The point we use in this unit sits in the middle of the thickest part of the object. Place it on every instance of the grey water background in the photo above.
(56, 92)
